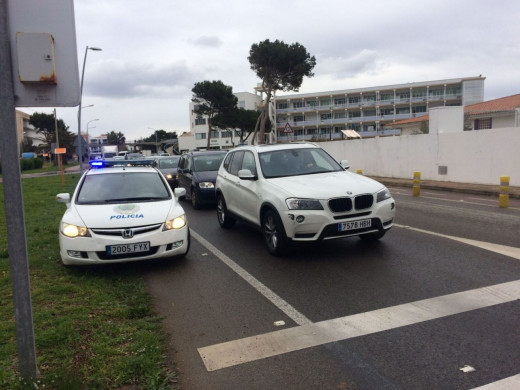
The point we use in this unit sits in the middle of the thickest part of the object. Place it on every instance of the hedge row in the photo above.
(26, 164)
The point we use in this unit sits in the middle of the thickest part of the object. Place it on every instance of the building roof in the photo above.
(376, 88)
(508, 103)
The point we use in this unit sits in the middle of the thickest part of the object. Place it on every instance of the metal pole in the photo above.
(80, 154)
(57, 138)
(17, 245)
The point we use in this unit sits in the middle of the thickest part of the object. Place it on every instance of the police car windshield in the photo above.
(123, 187)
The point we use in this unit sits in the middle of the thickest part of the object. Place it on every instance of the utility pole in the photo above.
(14, 212)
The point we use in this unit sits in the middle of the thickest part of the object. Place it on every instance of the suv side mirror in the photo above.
(245, 174)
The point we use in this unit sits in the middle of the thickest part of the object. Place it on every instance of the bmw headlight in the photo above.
(73, 231)
(206, 184)
(384, 194)
(303, 204)
(169, 176)
(175, 223)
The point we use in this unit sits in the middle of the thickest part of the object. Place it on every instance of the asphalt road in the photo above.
(436, 297)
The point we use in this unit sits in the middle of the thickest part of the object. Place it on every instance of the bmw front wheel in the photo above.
(274, 234)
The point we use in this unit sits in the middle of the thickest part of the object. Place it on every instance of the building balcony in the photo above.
(371, 103)
(344, 121)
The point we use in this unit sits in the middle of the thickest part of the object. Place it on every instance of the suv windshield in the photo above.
(208, 162)
(294, 162)
(123, 187)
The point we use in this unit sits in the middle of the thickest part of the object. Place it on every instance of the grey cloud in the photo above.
(210, 41)
(139, 80)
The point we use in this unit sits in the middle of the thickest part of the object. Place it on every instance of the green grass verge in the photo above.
(95, 327)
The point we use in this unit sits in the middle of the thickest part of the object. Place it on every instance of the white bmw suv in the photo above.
(298, 192)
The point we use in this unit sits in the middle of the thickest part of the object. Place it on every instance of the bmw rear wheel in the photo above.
(224, 219)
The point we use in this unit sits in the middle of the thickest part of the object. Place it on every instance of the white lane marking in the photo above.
(231, 353)
(502, 249)
(511, 383)
(286, 308)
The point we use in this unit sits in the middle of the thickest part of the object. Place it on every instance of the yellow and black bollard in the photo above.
(416, 183)
(503, 197)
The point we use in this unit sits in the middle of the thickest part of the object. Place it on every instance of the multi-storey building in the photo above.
(324, 115)
(197, 138)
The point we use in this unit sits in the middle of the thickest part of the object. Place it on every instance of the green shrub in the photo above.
(27, 164)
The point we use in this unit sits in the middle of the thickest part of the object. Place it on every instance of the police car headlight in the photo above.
(169, 176)
(175, 223)
(73, 231)
(206, 184)
(384, 194)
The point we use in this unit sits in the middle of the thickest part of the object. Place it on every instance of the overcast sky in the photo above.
(154, 51)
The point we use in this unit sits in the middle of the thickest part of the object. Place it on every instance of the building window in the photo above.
(387, 97)
(418, 109)
(200, 121)
(419, 93)
(325, 103)
(483, 124)
(354, 114)
(226, 134)
(326, 116)
(298, 118)
(353, 100)
(312, 131)
(298, 132)
(214, 134)
(298, 104)
(282, 106)
(339, 115)
(200, 135)
(312, 103)
(339, 102)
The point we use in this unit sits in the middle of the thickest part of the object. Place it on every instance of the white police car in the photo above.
(122, 211)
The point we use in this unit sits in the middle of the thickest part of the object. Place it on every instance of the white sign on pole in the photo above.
(44, 56)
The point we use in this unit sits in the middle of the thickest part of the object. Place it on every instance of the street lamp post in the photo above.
(80, 154)
(88, 139)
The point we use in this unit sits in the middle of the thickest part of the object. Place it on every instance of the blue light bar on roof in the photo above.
(121, 163)
(97, 164)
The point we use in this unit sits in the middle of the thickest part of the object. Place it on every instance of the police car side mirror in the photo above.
(179, 192)
(345, 164)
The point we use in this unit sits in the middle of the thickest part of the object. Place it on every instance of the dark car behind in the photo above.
(197, 174)
(168, 167)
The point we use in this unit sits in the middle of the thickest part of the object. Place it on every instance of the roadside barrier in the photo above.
(416, 183)
(503, 197)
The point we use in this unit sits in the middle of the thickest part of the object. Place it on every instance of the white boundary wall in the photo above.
(479, 157)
